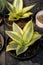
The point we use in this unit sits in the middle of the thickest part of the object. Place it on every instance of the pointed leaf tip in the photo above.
(14, 36)
(28, 31)
(28, 8)
(35, 37)
(16, 28)
(18, 4)
(12, 46)
(21, 49)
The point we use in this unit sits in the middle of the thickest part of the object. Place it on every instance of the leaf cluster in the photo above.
(22, 39)
(16, 10)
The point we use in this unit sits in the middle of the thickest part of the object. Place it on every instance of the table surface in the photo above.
(6, 59)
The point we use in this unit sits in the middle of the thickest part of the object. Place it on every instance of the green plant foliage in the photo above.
(16, 10)
(22, 39)
(2, 4)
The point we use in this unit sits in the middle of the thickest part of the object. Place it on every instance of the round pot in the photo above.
(20, 22)
(39, 19)
(1, 42)
(31, 52)
(40, 30)
(38, 24)
(7, 22)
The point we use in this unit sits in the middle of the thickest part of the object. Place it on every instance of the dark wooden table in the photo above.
(5, 58)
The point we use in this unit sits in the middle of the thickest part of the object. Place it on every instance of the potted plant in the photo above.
(1, 42)
(23, 41)
(17, 13)
(39, 19)
(39, 23)
(2, 5)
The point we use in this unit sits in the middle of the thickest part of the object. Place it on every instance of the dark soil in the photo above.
(20, 22)
(40, 18)
(32, 50)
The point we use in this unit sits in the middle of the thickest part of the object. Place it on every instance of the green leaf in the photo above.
(12, 46)
(14, 36)
(28, 8)
(35, 37)
(18, 4)
(2, 5)
(26, 15)
(27, 25)
(20, 13)
(28, 31)
(21, 49)
(16, 28)
(14, 10)
(9, 6)
(12, 16)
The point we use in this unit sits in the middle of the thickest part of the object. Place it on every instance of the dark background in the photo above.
(5, 58)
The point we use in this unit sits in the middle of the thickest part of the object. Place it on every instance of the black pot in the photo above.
(1, 42)
(40, 30)
(6, 21)
(30, 53)
(41, 42)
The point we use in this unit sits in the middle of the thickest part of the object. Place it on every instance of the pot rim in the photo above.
(38, 23)
(8, 25)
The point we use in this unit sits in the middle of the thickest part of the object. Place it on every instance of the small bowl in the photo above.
(38, 23)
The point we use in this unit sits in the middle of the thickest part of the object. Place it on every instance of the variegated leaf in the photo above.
(20, 13)
(9, 6)
(27, 15)
(35, 37)
(21, 49)
(12, 16)
(16, 28)
(12, 46)
(18, 4)
(28, 31)
(14, 36)
(2, 5)
(14, 10)
(28, 8)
